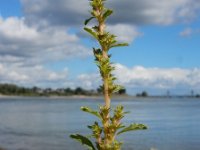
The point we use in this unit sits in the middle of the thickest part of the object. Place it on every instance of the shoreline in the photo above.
(68, 97)
(93, 97)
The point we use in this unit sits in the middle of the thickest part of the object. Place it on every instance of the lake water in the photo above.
(45, 124)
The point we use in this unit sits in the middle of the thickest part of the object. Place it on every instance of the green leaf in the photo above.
(83, 140)
(107, 13)
(133, 127)
(120, 126)
(117, 88)
(91, 111)
(92, 33)
(119, 45)
(88, 20)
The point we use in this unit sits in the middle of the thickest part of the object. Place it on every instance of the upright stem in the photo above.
(105, 82)
(105, 78)
(105, 87)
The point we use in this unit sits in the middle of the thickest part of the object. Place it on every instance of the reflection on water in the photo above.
(42, 123)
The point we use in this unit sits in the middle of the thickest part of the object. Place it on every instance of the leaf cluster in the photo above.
(106, 130)
(106, 68)
(101, 13)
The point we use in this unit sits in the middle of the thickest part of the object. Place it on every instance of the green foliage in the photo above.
(96, 130)
(122, 91)
(91, 111)
(143, 94)
(108, 127)
(107, 131)
(106, 68)
(83, 140)
(107, 13)
(132, 127)
(88, 20)
(119, 45)
(91, 32)
(12, 89)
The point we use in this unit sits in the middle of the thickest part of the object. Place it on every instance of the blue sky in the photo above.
(43, 44)
(10, 8)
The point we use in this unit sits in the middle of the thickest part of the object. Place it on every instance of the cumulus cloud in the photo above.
(42, 77)
(91, 81)
(160, 78)
(124, 32)
(27, 45)
(33, 76)
(139, 77)
(160, 12)
(70, 12)
(64, 12)
(127, 15)
(25, 50)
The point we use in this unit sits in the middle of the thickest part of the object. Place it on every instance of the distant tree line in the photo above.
(142, 94)
(145, 94)
(12, 89)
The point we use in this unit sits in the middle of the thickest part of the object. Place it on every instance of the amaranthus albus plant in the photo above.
(108, 127)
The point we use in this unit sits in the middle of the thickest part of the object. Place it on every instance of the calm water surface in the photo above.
(45, 124)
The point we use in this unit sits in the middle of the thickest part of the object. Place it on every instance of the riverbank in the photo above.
(93, 97)
(68, 97)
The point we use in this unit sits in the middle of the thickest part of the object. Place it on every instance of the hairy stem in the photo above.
(105, 83)
(105, 55)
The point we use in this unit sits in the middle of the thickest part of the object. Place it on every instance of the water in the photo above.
(45, 124)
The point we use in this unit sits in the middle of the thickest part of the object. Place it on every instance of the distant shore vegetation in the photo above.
(15, 90)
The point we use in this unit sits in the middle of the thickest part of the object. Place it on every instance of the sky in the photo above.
(42, 43)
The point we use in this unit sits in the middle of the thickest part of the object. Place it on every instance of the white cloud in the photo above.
(160, 78)
(162, 12)
(124, 32)
(89, 81)
(139, 77)
(15, 28)
(33, 76)
(187, 32)
(65, 12)
(127, 15)
(25, 49)
(43, 77)
(28, 45)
